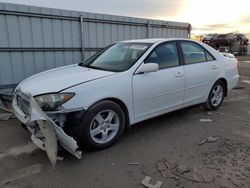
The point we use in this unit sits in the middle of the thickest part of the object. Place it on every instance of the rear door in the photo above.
(201, 70)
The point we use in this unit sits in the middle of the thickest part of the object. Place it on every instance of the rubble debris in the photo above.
(146, 183)
(59, 158)
(209, 139)
(181, 169)
(133, 164)
(205, 120)
(212, 139)
(171, 164)
(246, 81)
(6, 102)
(4, 108)
(6, 112)
(219, 113)
(161, 168)
(5, 116)
(179, 172)
(210, 113)
(148, 170)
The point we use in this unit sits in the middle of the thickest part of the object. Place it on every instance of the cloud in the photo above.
(214, 26)
(138, 8)
(240, 25)
(245, 19)
(235, 17)
(146, 8)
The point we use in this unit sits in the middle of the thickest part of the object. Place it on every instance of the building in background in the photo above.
(35, 39)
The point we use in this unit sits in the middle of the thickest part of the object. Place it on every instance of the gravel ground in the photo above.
(168, 149)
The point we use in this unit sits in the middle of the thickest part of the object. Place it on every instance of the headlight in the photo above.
(50, 102)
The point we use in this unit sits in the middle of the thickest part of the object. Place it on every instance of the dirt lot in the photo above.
(172, 138)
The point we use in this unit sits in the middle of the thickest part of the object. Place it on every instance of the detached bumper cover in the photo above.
(49, 131)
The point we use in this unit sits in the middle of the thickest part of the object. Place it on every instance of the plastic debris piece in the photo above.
(162, 168)
(146, 183)
(59, 158)
(5, 116)
(205, 120)
(210, 113)
(133, 164)
(181, 169)
(209, 139)
(212, 139)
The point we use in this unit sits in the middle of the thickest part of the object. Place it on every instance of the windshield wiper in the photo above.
(82, 64)
(97, 68)
(91, 67)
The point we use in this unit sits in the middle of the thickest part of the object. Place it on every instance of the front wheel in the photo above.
(215, 97)
(101, 125)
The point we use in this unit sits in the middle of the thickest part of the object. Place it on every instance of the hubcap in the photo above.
(217, 95)
(104, 126)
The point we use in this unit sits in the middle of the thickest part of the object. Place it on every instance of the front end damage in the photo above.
(47, 129)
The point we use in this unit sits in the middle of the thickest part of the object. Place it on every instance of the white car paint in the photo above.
(145, 95)
(151, 98)
(60, 78)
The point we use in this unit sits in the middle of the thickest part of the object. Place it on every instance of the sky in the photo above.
(205, 16)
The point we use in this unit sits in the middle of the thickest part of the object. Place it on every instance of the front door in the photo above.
(158, 92)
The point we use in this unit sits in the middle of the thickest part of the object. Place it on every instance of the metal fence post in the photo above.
(189, 30)
(82, 37)
(148, 28)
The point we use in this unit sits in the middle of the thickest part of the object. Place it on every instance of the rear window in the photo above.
(193, 53)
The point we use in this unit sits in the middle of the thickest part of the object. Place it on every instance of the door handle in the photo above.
(214, 67)
(179, 74)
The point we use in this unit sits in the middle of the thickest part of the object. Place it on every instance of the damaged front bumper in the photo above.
(45, 132)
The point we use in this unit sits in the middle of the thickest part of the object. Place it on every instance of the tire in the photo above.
(101, 126)
(212, 102)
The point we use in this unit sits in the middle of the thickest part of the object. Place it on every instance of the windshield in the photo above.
(118, 57)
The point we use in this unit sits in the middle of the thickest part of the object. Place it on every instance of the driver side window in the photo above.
(165, 55)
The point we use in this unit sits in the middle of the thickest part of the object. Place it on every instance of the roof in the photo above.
(154, 40)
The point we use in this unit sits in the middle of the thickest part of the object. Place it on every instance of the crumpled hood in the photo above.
(60, 78)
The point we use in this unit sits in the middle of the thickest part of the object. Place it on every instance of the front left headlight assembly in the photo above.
(52, 102)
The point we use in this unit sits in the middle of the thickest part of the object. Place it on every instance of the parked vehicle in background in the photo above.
(90, 104)
(208, 39)
(235, 43)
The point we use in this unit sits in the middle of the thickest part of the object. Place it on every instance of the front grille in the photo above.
(23, 104)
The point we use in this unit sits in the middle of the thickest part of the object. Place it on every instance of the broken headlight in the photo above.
(51, 102)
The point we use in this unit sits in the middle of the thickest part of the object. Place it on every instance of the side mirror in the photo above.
(147, 67)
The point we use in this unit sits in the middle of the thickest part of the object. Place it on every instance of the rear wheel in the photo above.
(102, 125)
(215, 97)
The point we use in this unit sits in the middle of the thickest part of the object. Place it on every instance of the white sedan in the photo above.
(89, 105)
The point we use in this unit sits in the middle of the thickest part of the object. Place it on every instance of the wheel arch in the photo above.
(122, 105)
(225, 84)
